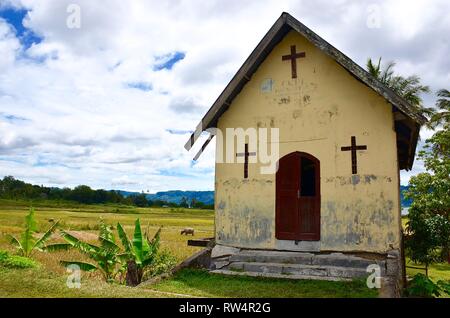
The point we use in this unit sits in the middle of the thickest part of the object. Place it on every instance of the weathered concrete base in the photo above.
(300, 246)
(392, 283)
(304, 265)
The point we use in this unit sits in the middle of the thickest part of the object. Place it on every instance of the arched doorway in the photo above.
(298, 198)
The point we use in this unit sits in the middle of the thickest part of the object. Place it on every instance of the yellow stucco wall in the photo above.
(316, 113)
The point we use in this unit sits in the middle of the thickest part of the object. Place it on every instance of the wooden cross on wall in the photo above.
(246, 154)
(353, 148)
(293, 57)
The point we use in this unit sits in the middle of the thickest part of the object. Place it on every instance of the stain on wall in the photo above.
(316, 113)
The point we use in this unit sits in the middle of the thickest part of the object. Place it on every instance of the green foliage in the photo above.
(13, 189)
(139, 253)
(422, 286)
(140, 200)
(429, 215)
(184, 202)
(141, 249)
(14, 261)
(442, 116)
(105, 255)
(110, 259)
(164, 262)
(409, 87)
(27, 242)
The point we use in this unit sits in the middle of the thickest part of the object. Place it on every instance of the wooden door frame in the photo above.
(298, 236)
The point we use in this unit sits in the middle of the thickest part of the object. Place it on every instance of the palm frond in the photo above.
(373, 69)
(410, 88)
(387, 73)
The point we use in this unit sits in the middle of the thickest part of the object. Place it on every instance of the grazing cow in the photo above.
(187, 231)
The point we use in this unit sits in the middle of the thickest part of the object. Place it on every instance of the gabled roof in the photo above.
(282, 26)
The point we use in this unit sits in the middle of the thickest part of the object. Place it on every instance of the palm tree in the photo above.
(441, 117)
(409, 87)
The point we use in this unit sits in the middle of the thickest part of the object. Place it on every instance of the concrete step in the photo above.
(275, 275)
(333, 259)
(297, 269)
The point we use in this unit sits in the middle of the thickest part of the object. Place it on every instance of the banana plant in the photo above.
(138, 253)
(105, 256)
(27, 243)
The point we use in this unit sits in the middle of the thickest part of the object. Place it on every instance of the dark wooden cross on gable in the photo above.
(293, 58)
(246, 154)
(353, 149)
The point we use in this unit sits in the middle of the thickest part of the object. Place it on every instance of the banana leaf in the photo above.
(124, 238)
(87, 267)
(82, 246)
(57, 247)
(40, 243)
(27, 240)
(14, 241)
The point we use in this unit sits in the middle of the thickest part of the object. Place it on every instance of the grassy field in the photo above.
(49, 279)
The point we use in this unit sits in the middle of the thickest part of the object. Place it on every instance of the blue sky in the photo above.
(15, 17)
(112, 103)
(168, 61)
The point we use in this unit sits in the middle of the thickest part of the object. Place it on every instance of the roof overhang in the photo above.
(282, 26)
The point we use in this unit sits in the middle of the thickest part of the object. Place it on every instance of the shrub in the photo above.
(163, 263)
(14, 261)
(422, 286)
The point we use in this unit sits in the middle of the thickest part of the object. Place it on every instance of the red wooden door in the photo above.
(298, 198)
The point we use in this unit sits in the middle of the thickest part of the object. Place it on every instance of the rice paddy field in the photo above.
(48, 278)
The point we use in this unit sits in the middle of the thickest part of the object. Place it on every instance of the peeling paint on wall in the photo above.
(316, 113)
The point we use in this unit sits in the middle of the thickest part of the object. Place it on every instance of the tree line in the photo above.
(14, 189)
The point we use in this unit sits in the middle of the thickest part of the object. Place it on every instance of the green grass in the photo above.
(200, 283)
(31, 283)
(435, 271)
(48, 279)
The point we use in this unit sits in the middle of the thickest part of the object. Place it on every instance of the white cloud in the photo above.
(78, 121)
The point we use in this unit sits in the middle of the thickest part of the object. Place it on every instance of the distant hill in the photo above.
(175, 196)
(207, 197)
